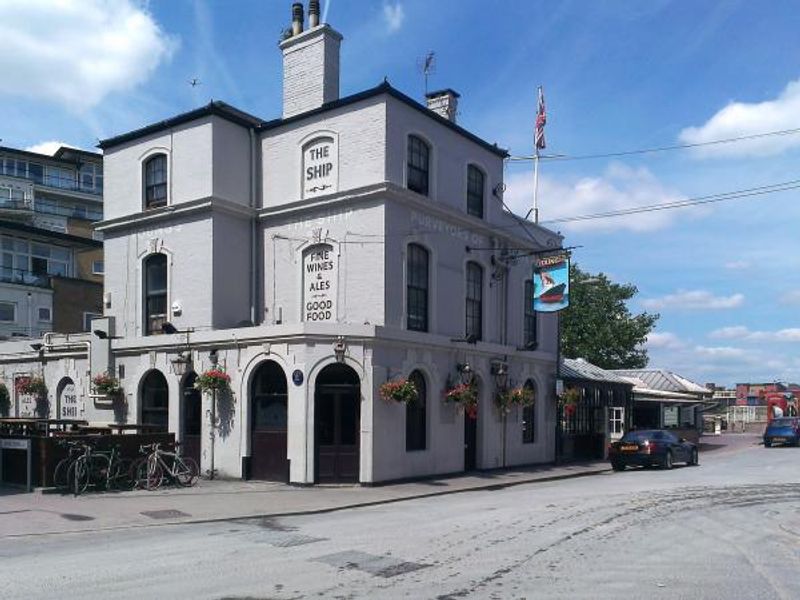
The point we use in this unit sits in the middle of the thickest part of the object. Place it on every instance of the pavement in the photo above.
(728, 528)
(45, 513)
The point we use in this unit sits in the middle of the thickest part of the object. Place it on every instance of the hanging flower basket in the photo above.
(107, 384)
(569, 401)
(507, 399)
(213, 379)
(403, 391)
(465, 396)
(31, 386)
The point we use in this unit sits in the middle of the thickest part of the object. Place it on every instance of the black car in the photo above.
(652, 447)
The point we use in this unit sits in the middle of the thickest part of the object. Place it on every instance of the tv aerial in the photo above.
(427, 67)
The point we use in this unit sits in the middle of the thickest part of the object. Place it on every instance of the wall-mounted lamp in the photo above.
(213, 356)
(182, 363)
(500, 374)
(466, 373)
(339, 348)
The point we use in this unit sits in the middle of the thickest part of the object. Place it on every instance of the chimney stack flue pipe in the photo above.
(297, 18)
(313, 13)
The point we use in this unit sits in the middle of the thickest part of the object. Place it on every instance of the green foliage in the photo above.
(599, 327)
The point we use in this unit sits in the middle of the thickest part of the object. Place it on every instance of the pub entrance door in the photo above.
(337, 418)
(470, 441)
(192, 418)
(268, 424)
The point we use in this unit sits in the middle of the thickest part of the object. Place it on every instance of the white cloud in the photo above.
(48, 148)
(740, 332)
(737, 265)
(721, 351)
(620, 187)
(76, 52)
(665, 340)
(791, 298)
(393, 15)
(694, 300)
(741, 119)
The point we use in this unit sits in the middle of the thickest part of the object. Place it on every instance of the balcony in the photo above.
(15, 208)
(22, 277)
(54, 181)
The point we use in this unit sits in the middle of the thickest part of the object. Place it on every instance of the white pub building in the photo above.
(314, 257)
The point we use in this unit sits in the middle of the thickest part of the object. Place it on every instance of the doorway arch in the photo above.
(337, 425)
(155, 401)
(191, 417)
(268, 424)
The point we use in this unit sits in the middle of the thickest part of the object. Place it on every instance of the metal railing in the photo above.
(21, 205)
(56, 181)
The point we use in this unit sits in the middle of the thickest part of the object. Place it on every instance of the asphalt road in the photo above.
(729, 528)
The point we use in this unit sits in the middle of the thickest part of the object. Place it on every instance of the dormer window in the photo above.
(475, 185)
(155, 181)
(418, 165)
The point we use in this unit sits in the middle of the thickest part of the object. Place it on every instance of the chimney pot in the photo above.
(297, 18)
(313, 13)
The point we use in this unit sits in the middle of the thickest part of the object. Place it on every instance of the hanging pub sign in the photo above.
(551, 283)
(319, 283)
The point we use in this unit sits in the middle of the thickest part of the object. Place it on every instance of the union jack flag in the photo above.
(541, 120)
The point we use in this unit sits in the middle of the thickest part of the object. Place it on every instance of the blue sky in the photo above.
(618, 75)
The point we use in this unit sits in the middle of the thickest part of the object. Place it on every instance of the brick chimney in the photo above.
(444, 103)
(310, 63)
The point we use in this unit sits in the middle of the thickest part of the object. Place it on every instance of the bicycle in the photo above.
(157, 464)
(74, 450)
(101, 467)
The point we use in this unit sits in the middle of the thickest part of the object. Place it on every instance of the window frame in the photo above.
(530, 318)
(13, 306)
(473, 325)
(423, 172)
(153, 203)
(471, 194)
(414, 289)
(102, 270)
(49, 317)
(417, 415)
(148, 294)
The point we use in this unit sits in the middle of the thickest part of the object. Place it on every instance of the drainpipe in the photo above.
(253, 230)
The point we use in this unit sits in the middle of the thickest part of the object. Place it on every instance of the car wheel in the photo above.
(617, 466)
(767, 444)
(695, 460)
(668, 460)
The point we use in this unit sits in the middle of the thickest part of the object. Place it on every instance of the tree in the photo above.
(599, 327)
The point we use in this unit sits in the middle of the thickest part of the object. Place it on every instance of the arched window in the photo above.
(530, 342)
(155, 401)
(155, 181)
(474, 303)
(529, 417)
(416, 415)
(417, 288)
(418, 165)
(475, 185)
(155, 293)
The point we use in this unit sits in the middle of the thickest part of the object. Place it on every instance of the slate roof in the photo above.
(579, 368)
(663, 380)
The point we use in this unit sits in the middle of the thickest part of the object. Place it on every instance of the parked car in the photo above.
(783, 430)
(652, 447)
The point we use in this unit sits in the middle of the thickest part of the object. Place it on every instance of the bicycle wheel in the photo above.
(185, 471)
(60, 473)
(149, 474)
(100, 471)
(119, 473)
(78, 476)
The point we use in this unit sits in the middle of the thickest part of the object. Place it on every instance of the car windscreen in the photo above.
(637, 436)
(784, 422)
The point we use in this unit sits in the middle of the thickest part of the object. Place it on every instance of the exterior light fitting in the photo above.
(182, 363)
(500, 373)
(466, 373)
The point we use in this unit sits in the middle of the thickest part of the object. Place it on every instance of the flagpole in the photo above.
(536, 185)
